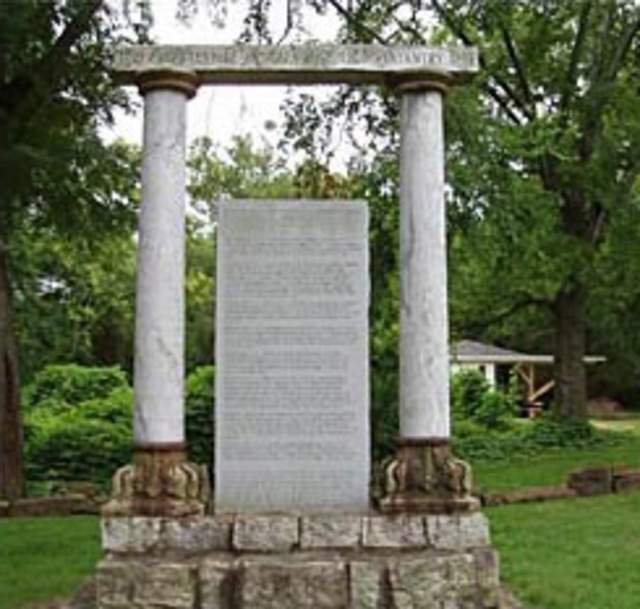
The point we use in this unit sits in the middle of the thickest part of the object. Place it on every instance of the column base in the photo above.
(159, 482)
(426, 477)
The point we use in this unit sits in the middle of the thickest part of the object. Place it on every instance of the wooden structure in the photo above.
(496, 364)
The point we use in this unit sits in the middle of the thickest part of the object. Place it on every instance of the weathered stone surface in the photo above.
(198, 534)
(457, 532)
(114, 583)
(488, 576)
(166, 585)
(84, 597)
(331, 531)
(626, 480)
(402, 531)
(310, 585)
(366, 584)
(265, 533)
(63, 505)
(433, 582)
(304, 64)
(592, 481)
(292, 384)
(217, 584)
(134, 535)
(531, 494)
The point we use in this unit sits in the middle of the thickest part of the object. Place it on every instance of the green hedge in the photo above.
(84, 441)
(199, 414)
(63, 386)
(78, 423)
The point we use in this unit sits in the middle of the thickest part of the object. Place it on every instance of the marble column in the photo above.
(160, 481)
(424, 476)
(424, 325)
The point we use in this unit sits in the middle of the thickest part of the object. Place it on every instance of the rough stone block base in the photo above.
(299, 562)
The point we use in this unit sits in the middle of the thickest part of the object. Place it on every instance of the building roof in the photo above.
(474, 352)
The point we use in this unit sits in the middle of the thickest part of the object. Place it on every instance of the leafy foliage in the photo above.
(472, 399)
(200, 414)
(87, 441)
(480, 444)
(79, 422)
(71, 384)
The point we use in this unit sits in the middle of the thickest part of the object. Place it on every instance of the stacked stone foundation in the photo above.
(298, 562)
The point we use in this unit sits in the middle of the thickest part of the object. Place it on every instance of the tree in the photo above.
(542, 148)
(55, 90)
(74, 291)
(564, 134)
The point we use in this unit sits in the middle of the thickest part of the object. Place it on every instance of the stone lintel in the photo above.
(303, 64)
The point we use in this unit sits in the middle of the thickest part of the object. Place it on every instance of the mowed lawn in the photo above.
(571, 554)
(44, 559)
(553, 467)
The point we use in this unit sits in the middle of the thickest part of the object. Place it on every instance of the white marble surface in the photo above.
(159, 337)
(292, 388)
(424, 331)
(301, 64)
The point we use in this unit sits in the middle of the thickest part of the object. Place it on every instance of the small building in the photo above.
(496, 364)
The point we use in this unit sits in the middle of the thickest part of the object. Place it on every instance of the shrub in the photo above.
(529, 439)
(82, 429)
(88, 442)
(467, 390)
(63, 386)
(496, 410)
(472, 399)
(199, 414)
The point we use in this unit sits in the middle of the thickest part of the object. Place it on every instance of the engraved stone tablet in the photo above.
(292, 391)
(302, 64)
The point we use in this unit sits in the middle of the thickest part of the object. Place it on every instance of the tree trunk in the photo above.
(570, 392)
(11, 472)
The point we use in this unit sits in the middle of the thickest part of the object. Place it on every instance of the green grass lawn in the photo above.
(45, 558)
(553, 467)
(577, 554)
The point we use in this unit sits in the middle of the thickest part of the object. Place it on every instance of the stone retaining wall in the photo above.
(298, 562)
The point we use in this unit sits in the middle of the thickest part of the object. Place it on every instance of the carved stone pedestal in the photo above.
(426, 477)
(159, 482)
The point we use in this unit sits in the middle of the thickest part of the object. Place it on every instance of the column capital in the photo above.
(183, 81)
(440, 83)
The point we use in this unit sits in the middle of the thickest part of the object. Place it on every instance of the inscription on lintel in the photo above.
(303, 63)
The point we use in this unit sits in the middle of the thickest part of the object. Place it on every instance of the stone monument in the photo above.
(292, 408)
(291, 528)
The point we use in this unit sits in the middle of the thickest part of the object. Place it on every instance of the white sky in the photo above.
(223, 111)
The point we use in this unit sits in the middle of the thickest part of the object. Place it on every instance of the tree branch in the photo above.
(601, 86)
(525, 105)
(504, 86)
(576, 51)
(622, 49)
(37, 82)
(348, 15)
(474, 327)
